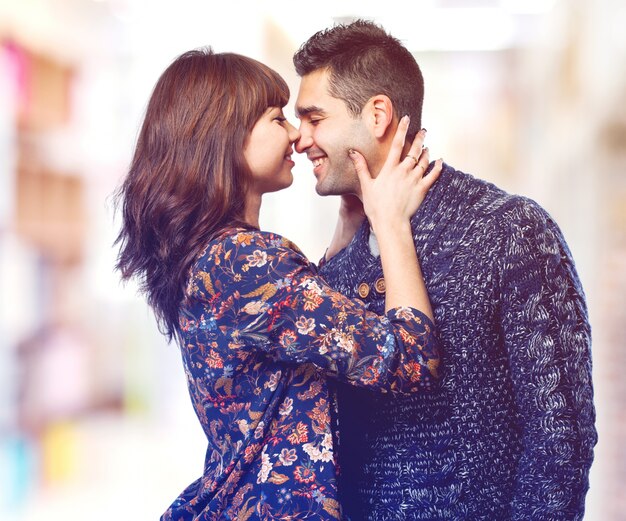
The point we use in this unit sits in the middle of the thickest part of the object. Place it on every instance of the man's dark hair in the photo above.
(363, 60)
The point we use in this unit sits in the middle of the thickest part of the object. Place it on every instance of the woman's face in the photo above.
(268, 152)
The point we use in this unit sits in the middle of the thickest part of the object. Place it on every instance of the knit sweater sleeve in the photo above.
(548, 339)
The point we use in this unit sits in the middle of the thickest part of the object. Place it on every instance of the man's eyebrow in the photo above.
(305, 111)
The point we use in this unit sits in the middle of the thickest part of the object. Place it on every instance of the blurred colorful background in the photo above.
(95, 421)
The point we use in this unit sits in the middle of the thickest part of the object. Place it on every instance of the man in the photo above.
(510, 432)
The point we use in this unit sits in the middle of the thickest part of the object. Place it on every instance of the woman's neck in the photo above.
(253, 208)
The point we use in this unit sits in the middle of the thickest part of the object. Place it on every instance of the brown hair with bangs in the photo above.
(188, 177)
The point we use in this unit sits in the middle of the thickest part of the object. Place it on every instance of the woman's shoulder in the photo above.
(243, 258)
(245, 238)
(238, 243)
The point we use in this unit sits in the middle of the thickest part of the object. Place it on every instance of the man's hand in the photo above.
(351, 215)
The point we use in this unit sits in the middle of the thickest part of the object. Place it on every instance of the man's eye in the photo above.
(314, 121)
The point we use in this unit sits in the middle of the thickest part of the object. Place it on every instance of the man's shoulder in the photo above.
(463, 212)
(472, 198)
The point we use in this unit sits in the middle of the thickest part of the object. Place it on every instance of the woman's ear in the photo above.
(379, 115)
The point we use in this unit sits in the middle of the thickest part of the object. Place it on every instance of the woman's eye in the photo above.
(280, 119)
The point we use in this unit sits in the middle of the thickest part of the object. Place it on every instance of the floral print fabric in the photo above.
(260, 335)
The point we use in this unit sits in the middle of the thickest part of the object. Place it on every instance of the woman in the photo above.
(260, 332)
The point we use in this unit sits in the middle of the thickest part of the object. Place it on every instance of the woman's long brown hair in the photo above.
(188, 177)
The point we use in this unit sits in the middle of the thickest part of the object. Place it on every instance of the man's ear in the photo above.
(379, 114)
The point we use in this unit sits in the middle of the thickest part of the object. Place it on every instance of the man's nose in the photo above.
(304, 141)
(294, 134)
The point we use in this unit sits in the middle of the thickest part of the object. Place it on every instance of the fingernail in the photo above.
(406, 118)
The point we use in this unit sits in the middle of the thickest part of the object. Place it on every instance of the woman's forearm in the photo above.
(404, 282)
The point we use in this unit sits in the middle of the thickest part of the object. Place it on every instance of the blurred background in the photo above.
(95, 420)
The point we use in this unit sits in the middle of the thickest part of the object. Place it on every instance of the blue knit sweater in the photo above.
(510, 434)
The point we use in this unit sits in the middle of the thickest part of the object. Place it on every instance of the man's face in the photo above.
(327, 131)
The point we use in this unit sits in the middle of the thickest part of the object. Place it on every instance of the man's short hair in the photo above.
(363, 60)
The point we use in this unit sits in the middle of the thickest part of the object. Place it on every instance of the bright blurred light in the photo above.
(456, 29)
(528, 6)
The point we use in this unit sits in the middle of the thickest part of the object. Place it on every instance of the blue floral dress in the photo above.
(261, 333)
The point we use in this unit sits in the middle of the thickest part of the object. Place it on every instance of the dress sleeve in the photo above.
(548, 339)
(264, 294)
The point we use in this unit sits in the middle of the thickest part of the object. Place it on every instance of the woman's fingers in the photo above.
(423, 162)
(397, 145)
(430, 179)
(360, 165)
(417, 154)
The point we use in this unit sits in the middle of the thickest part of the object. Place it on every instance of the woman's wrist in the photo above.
(391, 228)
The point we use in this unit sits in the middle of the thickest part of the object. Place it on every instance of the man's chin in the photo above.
(320, 188)
(330, 185)
(324, 191)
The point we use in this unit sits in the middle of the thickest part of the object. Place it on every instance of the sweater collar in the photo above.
(448, 201)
